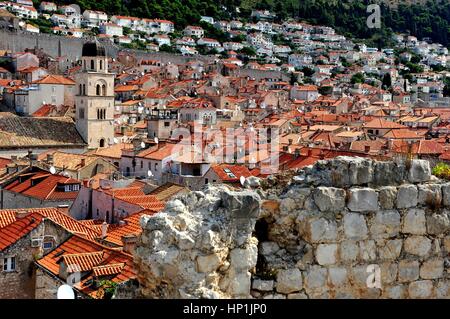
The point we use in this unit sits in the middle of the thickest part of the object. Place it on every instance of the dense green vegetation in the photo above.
(347, 16)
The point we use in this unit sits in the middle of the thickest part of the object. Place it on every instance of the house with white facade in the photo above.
(111, 29)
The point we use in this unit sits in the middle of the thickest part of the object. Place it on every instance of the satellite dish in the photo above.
(242, 180)
(65, 292)
(53, 170)
(156, 140)
(142, 145)
(149, 173)
(115, 140)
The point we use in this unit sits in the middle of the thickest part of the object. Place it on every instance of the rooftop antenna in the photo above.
(242, 180)
(53, 170)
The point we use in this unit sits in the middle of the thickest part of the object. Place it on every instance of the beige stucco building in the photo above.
(95, 98)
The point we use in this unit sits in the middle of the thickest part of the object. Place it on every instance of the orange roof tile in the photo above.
(18, 229)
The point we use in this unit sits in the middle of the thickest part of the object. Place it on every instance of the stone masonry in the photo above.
(343, 228)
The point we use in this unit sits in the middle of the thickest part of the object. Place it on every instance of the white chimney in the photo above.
(104, 229)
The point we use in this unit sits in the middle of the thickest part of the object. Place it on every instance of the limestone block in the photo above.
(408, 270)
(422, 289)
(414, 222)
(337, 276)
(446, 194)
(263, 285)
(430, 195)
(432, 268)
(367, 250)
(244, 258)
(420, 171)
(329, 199)
(326, 254)
(407, 196)
(391, 249)
(289, 280)
(387, 196)
(363, 200)
(355, 226)
(209, 263)
(438, 224)
(349, 251)
(385, 224)
(315, 277)
(316, 230)
(417, 245)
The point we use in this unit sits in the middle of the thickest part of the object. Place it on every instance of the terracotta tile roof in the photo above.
(43, 185)
(8, 216)
(113, 151)
(136, 196)
(18, 229)
(131, 226)
(55, 79)
(87, 253)
(168, 190)
(108, 270)
(234, 172)
(83, 261)
(37, 132)
(383, 124)
(69, 161)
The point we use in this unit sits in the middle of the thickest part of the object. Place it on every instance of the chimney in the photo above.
(83, 162)
(50, 158)
(366, 148)
(285, 148)
(22, 214)
(297, 153)
(129, 242)
(104, 229)
(290, 141)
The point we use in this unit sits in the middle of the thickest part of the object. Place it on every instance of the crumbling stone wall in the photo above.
(344, 228)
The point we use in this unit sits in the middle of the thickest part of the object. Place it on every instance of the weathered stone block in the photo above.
(289, 280)
(446, 194)
(395, 292)
(387, 196)
(244, 258)
(263, 285)
(432, 268)
(337, 276)
(414, 222)
(363, 200)
(430, 195)
(438, 224)
(407, 196)
(408, 270)
(420, 171)
(367, 250)
(391, 249)
(209, 263)
(315, 277)
(267, 248)
(417, 245)
(388, 272)
(329, 199)
(298, 295)
(443, 289)
(385, 224)
(316, 230)
(355, 226)
(240, 284)
(349, 251)
(421, 289)
(360, 171)
(326, 254)
(388, 173)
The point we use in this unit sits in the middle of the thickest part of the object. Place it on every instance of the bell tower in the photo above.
(94, 100)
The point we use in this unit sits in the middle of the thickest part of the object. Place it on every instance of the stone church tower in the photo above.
(95, 97)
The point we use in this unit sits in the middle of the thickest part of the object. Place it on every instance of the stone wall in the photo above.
(344, 228)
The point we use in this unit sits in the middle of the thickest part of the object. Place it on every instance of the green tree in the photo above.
(357, 78)
(387, 81)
